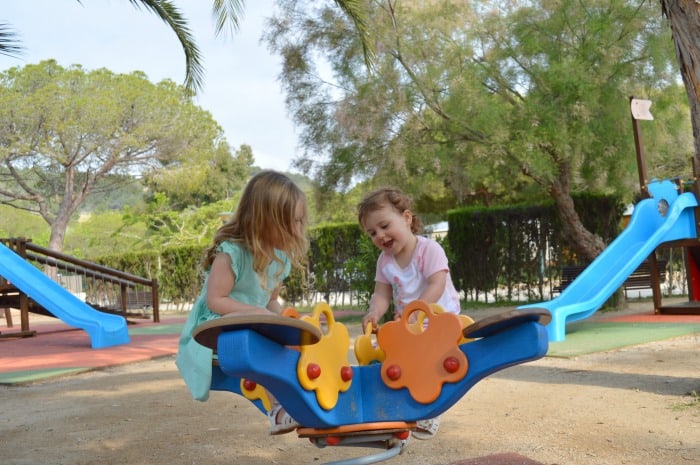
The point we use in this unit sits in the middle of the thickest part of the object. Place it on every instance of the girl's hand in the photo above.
(370, 318)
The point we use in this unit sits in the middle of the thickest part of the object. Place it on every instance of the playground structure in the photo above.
(411, 372)
(83, 294)
(665, 217)
(105, 330)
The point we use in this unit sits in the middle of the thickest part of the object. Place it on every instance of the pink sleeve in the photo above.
(378, 274)
(434, 258)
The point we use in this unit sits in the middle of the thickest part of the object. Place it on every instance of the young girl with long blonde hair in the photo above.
(244, 267)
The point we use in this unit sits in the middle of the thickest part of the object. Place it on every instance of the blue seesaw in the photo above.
(412, 371)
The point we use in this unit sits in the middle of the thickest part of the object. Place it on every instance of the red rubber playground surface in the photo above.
(59, 349)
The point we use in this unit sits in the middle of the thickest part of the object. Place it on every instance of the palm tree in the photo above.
(226, 14)
(684, 19)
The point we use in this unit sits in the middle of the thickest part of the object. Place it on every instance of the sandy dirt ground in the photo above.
(630, 406)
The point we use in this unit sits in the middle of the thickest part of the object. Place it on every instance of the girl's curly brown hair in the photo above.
(393, 197)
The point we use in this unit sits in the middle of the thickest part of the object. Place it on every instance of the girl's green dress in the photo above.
(194, 360)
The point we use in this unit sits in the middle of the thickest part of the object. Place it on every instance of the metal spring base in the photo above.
(392, 438)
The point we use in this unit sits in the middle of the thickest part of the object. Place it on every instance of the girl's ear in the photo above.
(408, 217)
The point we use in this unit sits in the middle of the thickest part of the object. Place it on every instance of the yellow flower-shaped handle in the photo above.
(366, 350)
(324, 367)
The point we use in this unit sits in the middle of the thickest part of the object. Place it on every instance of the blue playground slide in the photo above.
(666, 216)
(104, 329)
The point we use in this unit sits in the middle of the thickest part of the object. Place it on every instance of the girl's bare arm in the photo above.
(378, 304)
(219, 285)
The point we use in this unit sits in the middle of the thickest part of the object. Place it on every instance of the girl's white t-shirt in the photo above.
(409, 283)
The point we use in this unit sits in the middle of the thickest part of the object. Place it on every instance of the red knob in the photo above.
(313, 371)
(451, 364)
(346, 373)
(393, 372)
(249, 385)
(332, 440)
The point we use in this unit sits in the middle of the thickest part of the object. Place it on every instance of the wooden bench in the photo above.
(639, 279)
(139, 299)
(568, 274)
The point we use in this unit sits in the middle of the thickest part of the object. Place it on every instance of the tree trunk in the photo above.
(58, 233)
(586, 244)
(684, 19)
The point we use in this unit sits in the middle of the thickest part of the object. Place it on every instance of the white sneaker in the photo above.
(426, 429)
(280, 421)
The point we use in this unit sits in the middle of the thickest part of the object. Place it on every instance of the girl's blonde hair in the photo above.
(388, 196)
(266, 220)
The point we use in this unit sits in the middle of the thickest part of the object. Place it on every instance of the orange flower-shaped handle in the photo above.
(422, 361)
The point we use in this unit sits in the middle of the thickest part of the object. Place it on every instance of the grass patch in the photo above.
(690, 401)
(476, 305)
(350, 319)
(339, 312)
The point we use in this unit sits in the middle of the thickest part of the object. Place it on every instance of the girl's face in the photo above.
(389, 229)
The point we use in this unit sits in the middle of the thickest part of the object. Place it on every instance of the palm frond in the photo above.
(227, 12)
(169, 13)
(9, 43)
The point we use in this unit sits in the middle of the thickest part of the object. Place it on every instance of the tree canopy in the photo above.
(478, 102)
(67, 133)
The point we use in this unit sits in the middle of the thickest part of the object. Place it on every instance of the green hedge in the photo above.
(176, 269)
(516, 249)
(520, 248)
(341, 260)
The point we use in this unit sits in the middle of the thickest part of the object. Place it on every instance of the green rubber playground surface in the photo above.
(587, 337)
